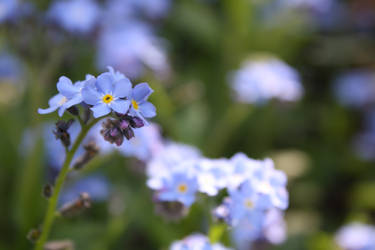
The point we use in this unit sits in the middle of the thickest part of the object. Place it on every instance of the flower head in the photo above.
(108, 93)
(140, 106)
(68, 96)
(356, 236)
(196, 242)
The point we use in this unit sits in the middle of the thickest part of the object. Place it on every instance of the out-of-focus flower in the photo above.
(146, 143)
(140, 106)
(171, 158)
(320, 6)
(196, 242)
(11, 74)
(68, 96)
(7, 9)
(131, 46)
(97, 186)
(179, 187)
(274, 228)
(258, 81)
(356, 236)
(75, 15)
(355, 88)
(107, 94)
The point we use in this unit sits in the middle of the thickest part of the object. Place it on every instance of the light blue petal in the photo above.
(66, 88)
(90, 95)
(61, 110)
(123, 88)
(56, 100)
(47, 110)
(147, 109)
(100, 110)
(76, 100)
(120, 106)
(141, 92)
(104, 83)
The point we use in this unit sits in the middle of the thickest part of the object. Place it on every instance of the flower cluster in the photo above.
(263, 79)
(196, 241)
(110, 91)
(256, 189)
(356, 236)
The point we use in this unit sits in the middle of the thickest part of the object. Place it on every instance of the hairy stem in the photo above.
(52, 204)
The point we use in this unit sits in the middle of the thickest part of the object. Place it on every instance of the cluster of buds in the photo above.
(114, 130)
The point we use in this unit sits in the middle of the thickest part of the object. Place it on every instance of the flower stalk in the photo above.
(52, 203)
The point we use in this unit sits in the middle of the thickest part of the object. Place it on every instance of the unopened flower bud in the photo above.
(33, 235)
(171, 210)
(128, 133)
(61, 132)
(111, 132)
(47, 191)
(74, 110)
(124, 124)
(136, 122)
(59, 245)
(91, 150)
(77, 206)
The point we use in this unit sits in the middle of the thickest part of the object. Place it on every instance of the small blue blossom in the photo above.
(258, 81)
(75, 15)
(7, 9)
(140, 106)
(196, 242)
(108, 93)
(68, 96)
(356, 236)
(179, 187)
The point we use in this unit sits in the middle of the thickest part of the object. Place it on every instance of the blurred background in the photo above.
(293, 80)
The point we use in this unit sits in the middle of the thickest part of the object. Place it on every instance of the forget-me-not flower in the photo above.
(356, 236)
(108, 93)
(68, 96)
(196, 242)
(75, 15)
(179, 187)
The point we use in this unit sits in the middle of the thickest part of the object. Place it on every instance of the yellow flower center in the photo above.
(249, 204)
(135, 105)
(182, 188)
(107, 98)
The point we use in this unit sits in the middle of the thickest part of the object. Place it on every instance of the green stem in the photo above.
(52, 204)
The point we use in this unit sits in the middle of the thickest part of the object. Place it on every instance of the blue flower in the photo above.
(356, 236)
(140, 106)
(108, 93)
(180, 187)
(196, 242)
(7, 9)
(75, 15)
(247, 203)
(68, 96)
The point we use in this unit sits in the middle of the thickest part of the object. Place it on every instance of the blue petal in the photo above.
(66, 87)
(120, 106)
(141, 92)
(74, 101)
(61, 110)
(123, 88)
(104, 83)
(90, 95)
(100, 110)
(47, 110)
(56, 100)
(147, 109)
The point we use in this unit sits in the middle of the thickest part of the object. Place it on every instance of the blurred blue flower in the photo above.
(247, 203)
(68, 96)
(274, 228)
(146, 143)
(130, 47)
(7, 9)
(179, 187)
(258, 81)
(356, 236)
(355, 88)
(11, 69)
(97, 186)
(196, 242)
(140, 106)
(75, 15)
(108, 93)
